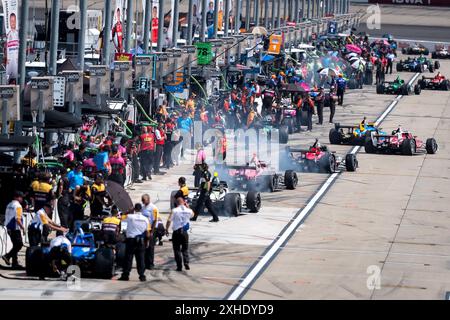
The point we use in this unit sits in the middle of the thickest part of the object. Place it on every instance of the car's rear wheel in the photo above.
(334, 136)
(380, 89)
(34, 261)
(421, 83)
(328, 163)
(232, 204)
(399, 67)
(368, 145)
(351, 163)
(289, 123)
(290, 179)
(408, 147)
(417, 89)
(283, 134)
(404, 51)
(437, 65)
(253, 201)
(431, 146)
(104, 263)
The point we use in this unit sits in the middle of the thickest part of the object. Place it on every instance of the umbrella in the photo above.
(328, 72)
(357, 64)
(259, 31)
(119, 196)
(304, 85)
(353, 48)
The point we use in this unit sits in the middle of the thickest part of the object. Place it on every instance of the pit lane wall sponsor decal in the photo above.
(443, 3)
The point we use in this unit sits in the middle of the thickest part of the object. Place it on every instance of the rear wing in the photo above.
(236, 167)
(338, 126)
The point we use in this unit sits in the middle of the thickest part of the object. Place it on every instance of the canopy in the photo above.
(267, 58)
(353, 48)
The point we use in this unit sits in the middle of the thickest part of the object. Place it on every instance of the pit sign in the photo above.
(204, 53)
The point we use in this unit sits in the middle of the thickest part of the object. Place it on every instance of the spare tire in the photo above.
(253, 201)
(334, 136)
(290, 179)
(104, 267)
(408, 147)
(232, 204)
(431, 146)
(351, 163)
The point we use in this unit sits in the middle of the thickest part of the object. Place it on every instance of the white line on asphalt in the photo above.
(265, 260)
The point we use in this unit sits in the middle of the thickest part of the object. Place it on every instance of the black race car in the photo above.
(416, 49)
(417, 65)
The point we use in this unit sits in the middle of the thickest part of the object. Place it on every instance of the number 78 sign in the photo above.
(204, 53)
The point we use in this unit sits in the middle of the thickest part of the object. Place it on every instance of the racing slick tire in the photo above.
(34, 261)
(426, 52)
(253, 201)
(290, 179)
(351, 163)
(405, 90)
(399, 66)
(104, 263)
(422, 83)
(437, 65)
(431, 146)
(283, 134)
(404, 51)
(368, 145)
(380, 89)
(408, 147)
(232, 204)
(120, 254)
(445, 85)
(334, 136)
(328, 163)
(417, 89)
(433, 55)
(431, 67)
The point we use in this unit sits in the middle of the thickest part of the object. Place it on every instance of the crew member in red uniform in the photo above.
(117, 33)
(146, 152)
(161, 138)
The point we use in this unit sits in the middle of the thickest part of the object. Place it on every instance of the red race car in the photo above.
(258, 176)
(437, 82)
(399, 141)
(319, 159)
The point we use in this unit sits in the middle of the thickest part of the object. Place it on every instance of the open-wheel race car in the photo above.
(320, 159)
(440, 53)
(397, 86)
(258, 176)
(92, 257)
(351, 134)
(224, 200)
(402, 142)
(420, 64)
(434, 83)
(416, 49)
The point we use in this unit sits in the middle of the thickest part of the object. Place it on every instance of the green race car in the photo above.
(398, 86)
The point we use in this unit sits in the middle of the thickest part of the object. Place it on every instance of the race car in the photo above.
(351, 134)
(320, 159)
(441, 53)
(417, 65)
(397, 86)
(434, 83)
(258, 176)
(416, 49)
(268, 126)
(225, 201)
(402, 142)
(289, 115)
(93, 258)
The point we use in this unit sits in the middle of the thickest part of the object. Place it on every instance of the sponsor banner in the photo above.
(123, 57)
(443, 3)
(154, 22)
(11, 18)
(118, 27)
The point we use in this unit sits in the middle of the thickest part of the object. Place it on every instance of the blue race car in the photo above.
(417, 65)
(90, 256)
(351, 134)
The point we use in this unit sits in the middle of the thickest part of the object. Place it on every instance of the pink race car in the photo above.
(258, 176)
(399, 141)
